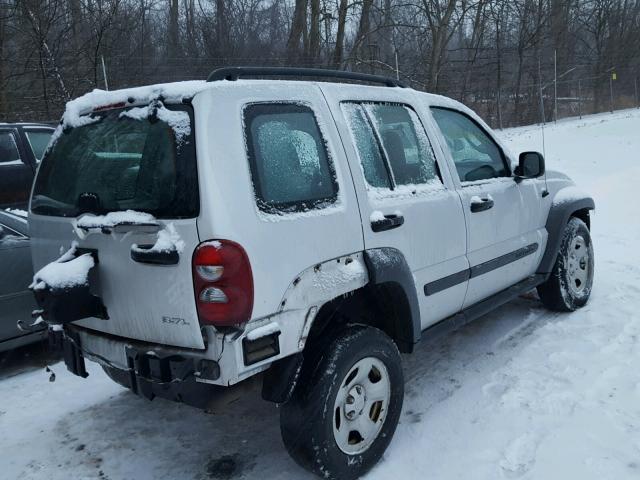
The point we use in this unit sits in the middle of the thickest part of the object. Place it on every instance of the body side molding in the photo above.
(449, 281)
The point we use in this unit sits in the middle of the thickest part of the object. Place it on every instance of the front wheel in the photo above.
(346, 405)
(569, 285)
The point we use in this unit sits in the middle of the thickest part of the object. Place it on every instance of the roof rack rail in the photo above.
(234, 73)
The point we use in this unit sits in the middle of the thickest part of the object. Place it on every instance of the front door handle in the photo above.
(389, 222)
(481, 204)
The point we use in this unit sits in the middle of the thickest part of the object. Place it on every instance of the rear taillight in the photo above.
(223, 283)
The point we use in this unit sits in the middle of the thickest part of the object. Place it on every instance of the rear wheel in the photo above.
(569, 286)
(347, 404)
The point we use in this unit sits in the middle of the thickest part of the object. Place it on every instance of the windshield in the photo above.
(122, 161)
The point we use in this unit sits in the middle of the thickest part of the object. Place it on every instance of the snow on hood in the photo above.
(66, 272)
(569, 194)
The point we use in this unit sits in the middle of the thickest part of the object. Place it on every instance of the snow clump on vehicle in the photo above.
(68, 271)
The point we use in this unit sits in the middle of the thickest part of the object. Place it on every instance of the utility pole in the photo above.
(635, 85)
(579, 99)
(555, 86)
(611, 91)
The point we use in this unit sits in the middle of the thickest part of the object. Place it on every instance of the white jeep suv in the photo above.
(191, 236)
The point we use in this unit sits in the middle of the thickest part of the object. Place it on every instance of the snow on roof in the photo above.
(171, 92)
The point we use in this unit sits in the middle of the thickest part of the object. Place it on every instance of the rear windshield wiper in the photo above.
(119, 222)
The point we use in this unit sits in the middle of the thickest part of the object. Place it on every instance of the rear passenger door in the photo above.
(274, 155)
(407, 200)
(504, 235)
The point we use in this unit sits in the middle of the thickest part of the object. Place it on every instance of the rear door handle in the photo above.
(146, 254)
(481, 204)
(389, 222)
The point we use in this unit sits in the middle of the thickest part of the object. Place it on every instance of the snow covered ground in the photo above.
(521, 393)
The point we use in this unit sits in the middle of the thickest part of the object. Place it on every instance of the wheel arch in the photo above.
(387, 301)
(559, 214)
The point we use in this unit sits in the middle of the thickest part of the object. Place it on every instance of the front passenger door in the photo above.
(503, 239)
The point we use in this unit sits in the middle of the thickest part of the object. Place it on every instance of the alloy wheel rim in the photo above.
(361, 405)
(578, 265)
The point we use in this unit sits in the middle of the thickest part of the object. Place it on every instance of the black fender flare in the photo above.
(388, 265)
(559, 216)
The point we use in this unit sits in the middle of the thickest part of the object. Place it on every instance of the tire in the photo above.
(569, 285)
(321, 423)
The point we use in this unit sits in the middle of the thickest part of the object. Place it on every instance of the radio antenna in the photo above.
(544, 150)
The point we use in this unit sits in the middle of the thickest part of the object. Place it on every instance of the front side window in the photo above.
(38, 141)
(8, 148)
(125, 161)
(288, 158)
(392, 145)
(475, 154)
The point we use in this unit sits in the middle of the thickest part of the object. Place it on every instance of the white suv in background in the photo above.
(191, 236)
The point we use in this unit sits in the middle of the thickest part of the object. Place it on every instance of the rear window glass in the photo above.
(8, 148)
(289, 162)
(38, 140)
(124, 160)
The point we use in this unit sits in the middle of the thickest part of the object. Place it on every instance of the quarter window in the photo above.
(475, 154)
(289, 160)
(8, 148)
(38, 140)
(392, 145)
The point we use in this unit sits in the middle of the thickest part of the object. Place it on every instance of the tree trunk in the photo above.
(314, 32)
(173, 31)
(339, 48)
(298, 26)
(222, 29)
(360, 44)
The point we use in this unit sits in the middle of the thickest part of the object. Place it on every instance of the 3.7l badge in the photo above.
(174, 320)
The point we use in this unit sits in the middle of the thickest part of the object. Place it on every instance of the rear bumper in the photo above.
(158, 370)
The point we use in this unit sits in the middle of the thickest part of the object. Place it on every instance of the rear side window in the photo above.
(392, 145)
(38, 141)
(289, 161)
(8, 148)
(475, 154)
(141, 159)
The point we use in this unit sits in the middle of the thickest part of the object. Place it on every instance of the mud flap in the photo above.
(69, 344)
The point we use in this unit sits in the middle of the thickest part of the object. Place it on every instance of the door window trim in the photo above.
(36, 129)
(464, 183)
(294, 206)
(379, 145)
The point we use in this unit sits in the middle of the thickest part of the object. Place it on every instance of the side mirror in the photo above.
(530, 165)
